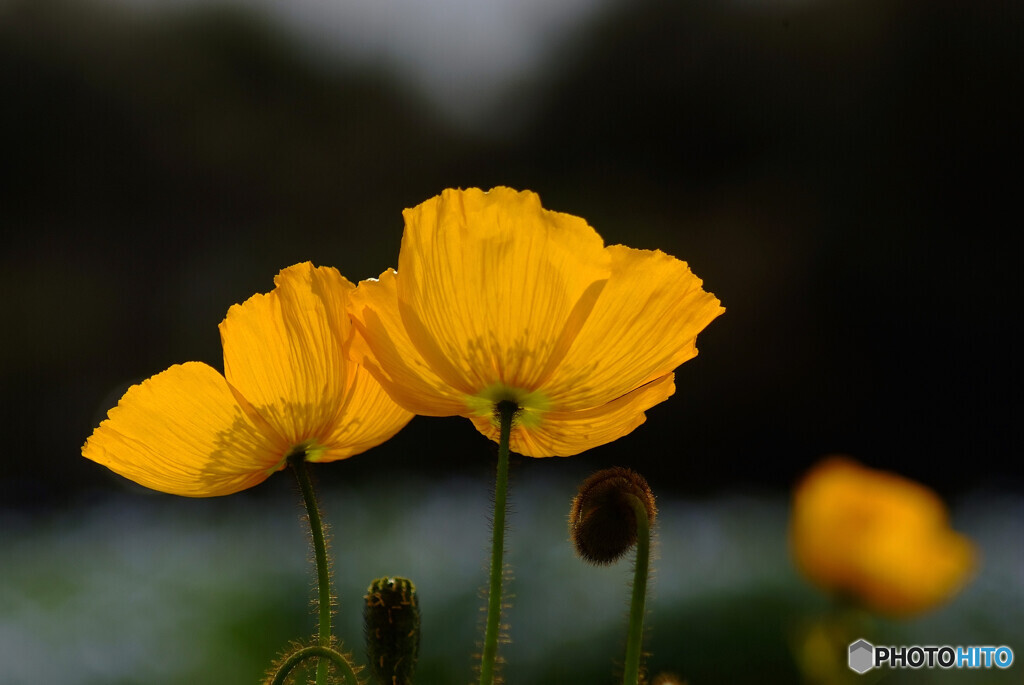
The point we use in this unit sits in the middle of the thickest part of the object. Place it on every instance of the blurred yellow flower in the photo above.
(496, 298)
(288, 387)
(878, 537)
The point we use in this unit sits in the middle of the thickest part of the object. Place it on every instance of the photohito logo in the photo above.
(864, 656)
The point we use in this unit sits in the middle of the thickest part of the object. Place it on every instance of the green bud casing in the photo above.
(391, 619)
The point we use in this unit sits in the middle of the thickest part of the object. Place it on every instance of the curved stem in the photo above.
(506, 411)
(316, 651)
(634, 641)
(323, 573)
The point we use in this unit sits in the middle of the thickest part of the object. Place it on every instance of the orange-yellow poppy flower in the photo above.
(876, 537)
(288, 387)
(496, 298)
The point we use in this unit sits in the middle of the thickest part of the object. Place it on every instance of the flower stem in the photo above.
(323, 573)
(506, 411)
(634, 641)
(315, 651)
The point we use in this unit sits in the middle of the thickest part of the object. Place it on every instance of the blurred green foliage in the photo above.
(160, 589)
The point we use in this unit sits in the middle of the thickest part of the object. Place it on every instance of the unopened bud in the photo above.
(391, 619)
(602, 522)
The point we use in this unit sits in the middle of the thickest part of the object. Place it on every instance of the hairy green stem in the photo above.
(506, 411)
(322, 655)
(323, 573)
(634, 641)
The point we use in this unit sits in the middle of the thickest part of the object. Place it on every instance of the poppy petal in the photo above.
(182, 432)
(383, 347)
(284, 351)
(366, 417)
(493, 288)
(643, 326)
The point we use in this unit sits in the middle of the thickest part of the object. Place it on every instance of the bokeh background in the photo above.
(844, 175)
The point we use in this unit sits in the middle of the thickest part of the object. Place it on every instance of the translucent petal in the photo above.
(643, 326)
(564, 434)
(366, 417)
(182, 432)
(284, 351)
(383, 347)
(493, 288)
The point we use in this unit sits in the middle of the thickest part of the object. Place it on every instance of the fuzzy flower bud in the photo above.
(603, 520)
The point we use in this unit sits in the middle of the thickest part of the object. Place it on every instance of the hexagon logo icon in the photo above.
(862, 656)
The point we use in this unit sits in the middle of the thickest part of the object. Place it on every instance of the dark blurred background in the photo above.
(843, 174)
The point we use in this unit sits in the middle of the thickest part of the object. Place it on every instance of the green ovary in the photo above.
(532, 403)
(312, 450)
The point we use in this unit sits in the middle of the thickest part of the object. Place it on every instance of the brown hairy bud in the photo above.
(602, 523)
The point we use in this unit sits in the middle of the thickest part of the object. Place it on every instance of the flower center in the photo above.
(532, 403)
(307, 450)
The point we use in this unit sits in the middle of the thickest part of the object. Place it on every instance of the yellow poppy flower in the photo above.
(496, 298)
(287, 387)
(878, 537)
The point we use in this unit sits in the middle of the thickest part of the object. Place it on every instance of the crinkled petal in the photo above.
(567, 433)
(492, 288)
(383, 347)
(182, 432)
(644, 325)
(284, 351)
